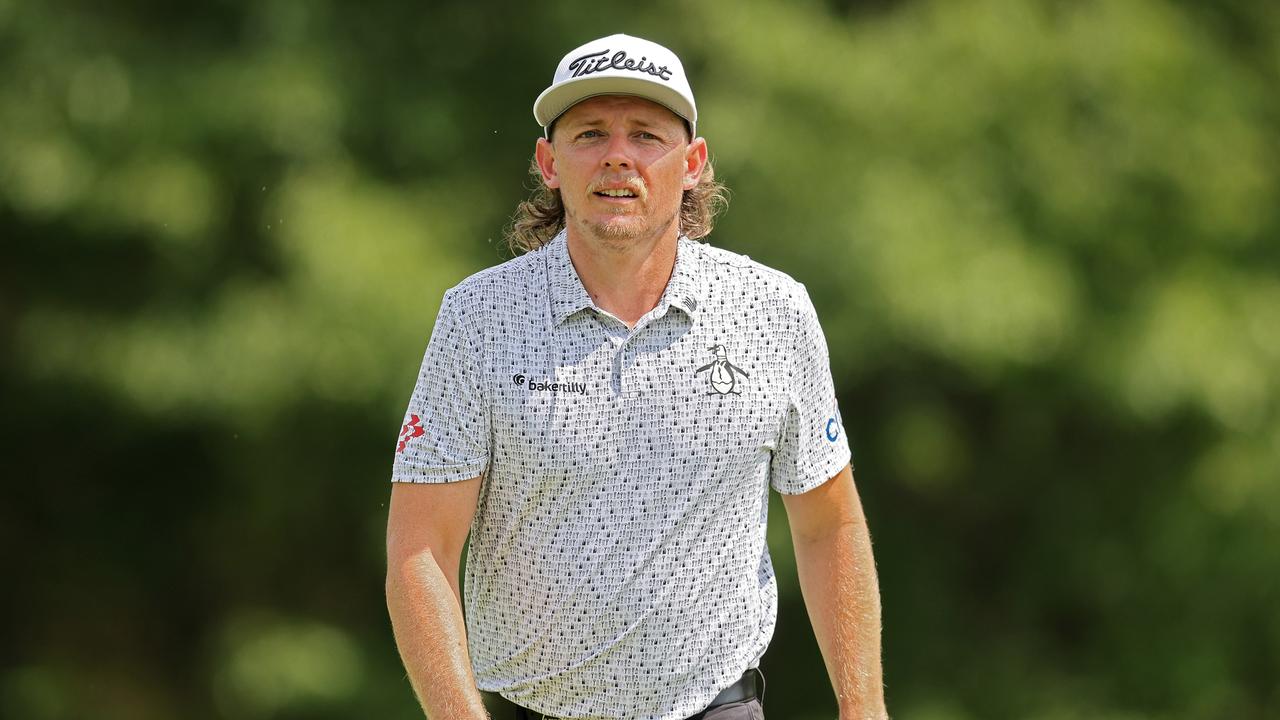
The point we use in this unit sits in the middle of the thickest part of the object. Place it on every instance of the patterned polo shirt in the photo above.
(618, 565)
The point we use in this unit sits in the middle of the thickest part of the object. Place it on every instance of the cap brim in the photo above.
(555, 100)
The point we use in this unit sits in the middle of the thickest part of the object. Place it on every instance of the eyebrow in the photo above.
(641, 122)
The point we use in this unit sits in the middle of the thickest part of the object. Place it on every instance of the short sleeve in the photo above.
(445, 435)
(812, 446)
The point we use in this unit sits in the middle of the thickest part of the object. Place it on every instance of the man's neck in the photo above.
(627, 278)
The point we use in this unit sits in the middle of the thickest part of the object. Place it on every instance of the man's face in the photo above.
(621, 164)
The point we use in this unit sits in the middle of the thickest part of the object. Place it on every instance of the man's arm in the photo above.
(426, 529)
(838, 581)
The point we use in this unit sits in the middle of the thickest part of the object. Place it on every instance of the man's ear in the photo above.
(695, 159)
(545, 156)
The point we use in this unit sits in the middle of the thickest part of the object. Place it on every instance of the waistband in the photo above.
(743, 689)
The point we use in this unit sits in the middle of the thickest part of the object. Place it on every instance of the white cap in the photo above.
(618, 65)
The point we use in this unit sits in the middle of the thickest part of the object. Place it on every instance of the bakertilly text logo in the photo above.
(547, 385)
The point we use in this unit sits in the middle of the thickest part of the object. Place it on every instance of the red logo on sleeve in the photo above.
(411, 430)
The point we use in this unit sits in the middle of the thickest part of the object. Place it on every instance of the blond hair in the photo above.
(541, 217)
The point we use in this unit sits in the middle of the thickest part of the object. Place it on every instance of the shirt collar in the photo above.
(684, 289)
(568, 296)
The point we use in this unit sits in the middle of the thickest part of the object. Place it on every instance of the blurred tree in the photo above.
(1041, 237)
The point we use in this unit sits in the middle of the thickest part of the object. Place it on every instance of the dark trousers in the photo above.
(501, 708)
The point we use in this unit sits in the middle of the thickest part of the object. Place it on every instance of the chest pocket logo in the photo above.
(723, 375)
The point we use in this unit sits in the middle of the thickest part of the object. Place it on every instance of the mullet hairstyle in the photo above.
(541, 217)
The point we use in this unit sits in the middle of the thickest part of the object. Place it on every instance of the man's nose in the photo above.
(618, 153)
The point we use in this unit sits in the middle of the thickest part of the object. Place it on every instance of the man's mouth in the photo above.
(617, 193)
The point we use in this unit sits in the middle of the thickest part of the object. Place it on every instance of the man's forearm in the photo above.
(838, 580)
(432, 638)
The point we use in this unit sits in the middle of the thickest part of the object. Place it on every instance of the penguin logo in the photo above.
(724, 374)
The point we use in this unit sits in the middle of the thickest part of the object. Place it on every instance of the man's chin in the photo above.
(619, 231)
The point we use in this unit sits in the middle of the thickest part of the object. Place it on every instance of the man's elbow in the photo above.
(410, 564)
(398, 577)
(422, 570)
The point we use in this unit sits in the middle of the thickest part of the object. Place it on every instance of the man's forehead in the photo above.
(598, 109)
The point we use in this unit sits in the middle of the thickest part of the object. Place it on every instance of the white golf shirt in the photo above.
(618, 565)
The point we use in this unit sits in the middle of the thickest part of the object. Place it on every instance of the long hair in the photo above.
(541, 217)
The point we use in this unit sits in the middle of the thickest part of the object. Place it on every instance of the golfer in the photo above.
(605, 415)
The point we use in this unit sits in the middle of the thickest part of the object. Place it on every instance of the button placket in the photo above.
(616, 332)
(619, 381)
(625, 361)
(620, 364)
(629, 382)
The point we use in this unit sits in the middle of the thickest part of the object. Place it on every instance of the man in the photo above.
(605, 415)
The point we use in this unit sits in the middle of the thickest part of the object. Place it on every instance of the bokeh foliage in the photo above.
(1042, 237)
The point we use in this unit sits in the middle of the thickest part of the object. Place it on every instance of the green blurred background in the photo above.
(1042, 238)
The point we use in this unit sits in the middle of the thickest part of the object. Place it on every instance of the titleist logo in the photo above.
(600, 61)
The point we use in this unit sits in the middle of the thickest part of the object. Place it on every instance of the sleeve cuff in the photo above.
(821, 474)
(406, 473)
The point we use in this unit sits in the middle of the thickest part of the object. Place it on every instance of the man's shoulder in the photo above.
(503, 285)
(735, 272)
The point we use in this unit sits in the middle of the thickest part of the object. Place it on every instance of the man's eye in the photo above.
(648, 136)
(590, 134)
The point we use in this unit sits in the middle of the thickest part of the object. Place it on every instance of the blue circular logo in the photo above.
(833, 430)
